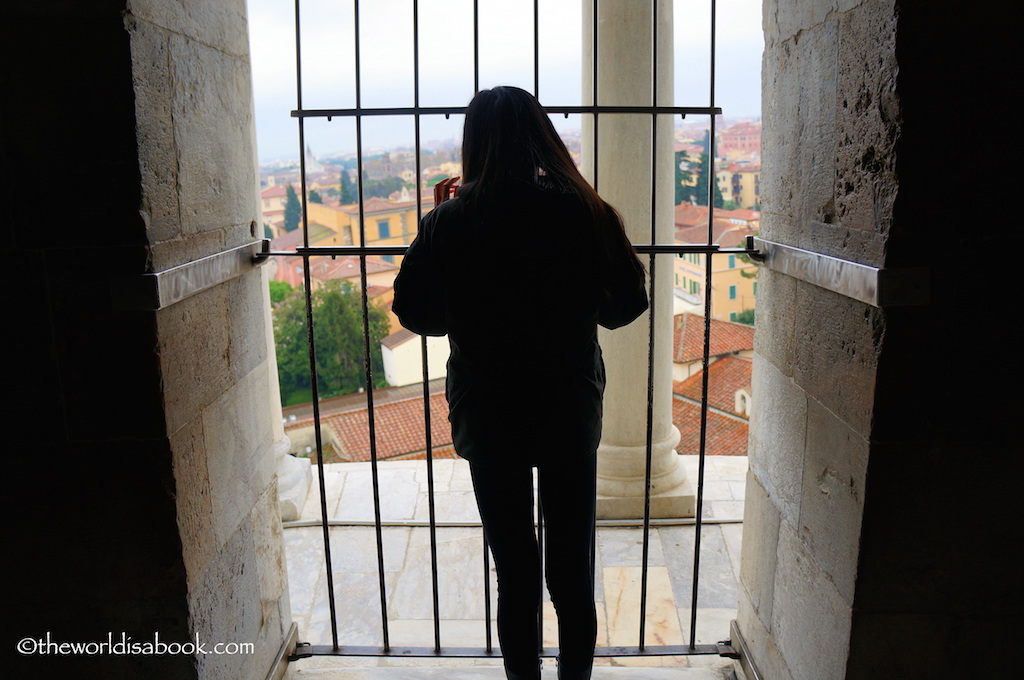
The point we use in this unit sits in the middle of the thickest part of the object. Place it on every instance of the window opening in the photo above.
(362, 119)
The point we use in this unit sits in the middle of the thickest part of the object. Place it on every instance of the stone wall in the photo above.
(816, 351)
(142, 495)
(195, 128)
(855, 562)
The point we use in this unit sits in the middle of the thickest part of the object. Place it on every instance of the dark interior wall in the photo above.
(92, 533)
(936, 577)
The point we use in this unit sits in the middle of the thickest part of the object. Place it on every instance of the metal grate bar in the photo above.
(362, 251)
(304, 650)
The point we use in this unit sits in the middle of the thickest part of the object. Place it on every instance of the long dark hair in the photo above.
(508, 136)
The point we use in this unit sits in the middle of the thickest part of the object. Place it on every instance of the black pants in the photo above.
(504, 494)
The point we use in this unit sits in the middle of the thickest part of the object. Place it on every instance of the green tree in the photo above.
(746, 316)
(348, 190)
(279, 291)
(338, 327)
(292, 209)
(382, 188)
(314, 196)
(700, 189)
(684, 176)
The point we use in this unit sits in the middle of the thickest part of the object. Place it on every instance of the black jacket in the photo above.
(517, 292)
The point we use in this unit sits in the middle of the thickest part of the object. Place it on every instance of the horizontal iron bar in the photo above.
(458, 110)
(347, 251)
(410, 523)
(303, 650)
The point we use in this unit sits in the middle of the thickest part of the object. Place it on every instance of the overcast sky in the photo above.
(446, 63)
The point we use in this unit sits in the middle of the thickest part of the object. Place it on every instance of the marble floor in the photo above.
(461, 576)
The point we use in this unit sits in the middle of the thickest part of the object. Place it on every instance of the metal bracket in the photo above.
(157, 290)
(875, 286)
(296, 655)
(726, 649)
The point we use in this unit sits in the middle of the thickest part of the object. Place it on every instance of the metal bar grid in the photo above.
(654, 110)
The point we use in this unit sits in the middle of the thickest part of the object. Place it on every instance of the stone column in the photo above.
(294, 475)
(624, 180)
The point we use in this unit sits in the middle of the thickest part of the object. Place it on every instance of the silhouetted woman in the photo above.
(518, 269)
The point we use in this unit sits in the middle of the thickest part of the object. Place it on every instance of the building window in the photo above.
(732, 262)
(383, 229)
(732, 292)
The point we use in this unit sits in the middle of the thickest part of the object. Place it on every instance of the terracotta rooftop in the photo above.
(725, 377)
(725, 436)
(399, 427)
(724, 233)
(727, 337)
(399, 337)
(326, 268)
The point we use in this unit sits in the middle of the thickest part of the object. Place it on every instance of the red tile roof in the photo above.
(399, 427)
(724, 233)
(399, 337)
(727, 337)
(725, 436)
(326, 269)
(725, 377)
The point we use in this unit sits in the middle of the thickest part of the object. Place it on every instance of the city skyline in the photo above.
(446, 65)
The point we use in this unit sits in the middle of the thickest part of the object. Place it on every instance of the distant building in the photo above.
(741, 184)
(403, 358)
(728, 408)
(399, 424)
(740, 142)
(734, 279)
(726, 339)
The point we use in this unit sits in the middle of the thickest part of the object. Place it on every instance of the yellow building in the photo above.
(734, 278)
(384, 222)
(741, 184)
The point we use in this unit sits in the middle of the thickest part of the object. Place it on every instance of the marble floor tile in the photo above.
(622, 587)
(461, 575)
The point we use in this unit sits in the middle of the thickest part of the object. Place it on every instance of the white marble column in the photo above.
(624, 180)
(294, 475)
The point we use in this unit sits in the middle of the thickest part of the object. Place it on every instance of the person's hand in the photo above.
(444, 190)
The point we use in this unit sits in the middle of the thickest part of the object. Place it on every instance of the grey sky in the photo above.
(446, 62)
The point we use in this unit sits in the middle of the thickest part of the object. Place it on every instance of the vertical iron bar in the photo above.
(649, 445)
(374, 472)
(593, 87)
(540, 553)
(423, 345)
(707, 345)
(311, 344)
(536, 49)
(476, 46)
(488, 643)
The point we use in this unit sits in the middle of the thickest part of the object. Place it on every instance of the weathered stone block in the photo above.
(774, 339)
(810, 621)
(154, 128)
(867, 119)
(778, 438)
(760, 545)
(212, 128)
(193, 500)
(840, 340)
(239, 451)
(194, 345)
(832, 502)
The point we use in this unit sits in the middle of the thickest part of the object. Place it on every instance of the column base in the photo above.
(294, 475)
(680, 501)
